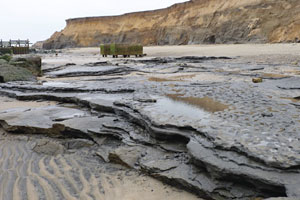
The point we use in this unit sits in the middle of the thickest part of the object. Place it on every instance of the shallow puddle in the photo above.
(206, 103)
(157, 79)
(185, 109)
(173, 78)
(178, 109)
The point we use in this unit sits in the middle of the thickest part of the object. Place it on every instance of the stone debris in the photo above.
(257, 80)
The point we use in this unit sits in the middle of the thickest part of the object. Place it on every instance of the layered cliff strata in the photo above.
(193, 22)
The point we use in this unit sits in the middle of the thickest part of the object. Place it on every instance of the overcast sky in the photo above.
(38, 19)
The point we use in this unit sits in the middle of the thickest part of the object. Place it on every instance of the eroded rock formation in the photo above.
(192, 122)
(193, 22)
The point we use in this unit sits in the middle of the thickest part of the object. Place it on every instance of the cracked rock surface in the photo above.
(196, 123)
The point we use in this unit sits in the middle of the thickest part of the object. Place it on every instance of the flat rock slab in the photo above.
(292, 83)
(38, 119)
(74, 71)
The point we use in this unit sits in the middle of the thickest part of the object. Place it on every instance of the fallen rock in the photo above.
(127, 156)
(32, 63)
(257, 80)
(77, 143)
(12, 73)
(48, 147)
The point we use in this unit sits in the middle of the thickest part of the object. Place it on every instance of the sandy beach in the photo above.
(225, 50)
(288, 49)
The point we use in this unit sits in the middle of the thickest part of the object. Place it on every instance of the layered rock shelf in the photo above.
(196, 123)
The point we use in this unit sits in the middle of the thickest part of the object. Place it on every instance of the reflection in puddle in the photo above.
(156, 79)
(178, 109)
(206, 103)
(183, 110)
(172, 78)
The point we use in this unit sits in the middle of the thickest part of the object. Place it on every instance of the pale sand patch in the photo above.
(93, 53)
(203, 76)
(224, 50)
(9, 103)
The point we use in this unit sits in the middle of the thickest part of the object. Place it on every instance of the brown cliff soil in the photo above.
(193, 22)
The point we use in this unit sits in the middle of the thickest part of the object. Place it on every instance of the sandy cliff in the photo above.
(193, 22)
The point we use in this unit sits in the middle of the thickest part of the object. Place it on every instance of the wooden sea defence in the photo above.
(20, 50)
(105, 50)
(126, 50)
(14, 47)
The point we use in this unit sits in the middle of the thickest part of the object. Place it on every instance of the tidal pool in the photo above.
(206, 103)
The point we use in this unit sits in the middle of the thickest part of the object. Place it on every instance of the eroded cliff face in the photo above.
(193, 22)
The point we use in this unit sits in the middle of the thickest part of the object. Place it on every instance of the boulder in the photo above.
(12, 73)
(49, 147)
(257, 80)
(32, 63)
(78, 143)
